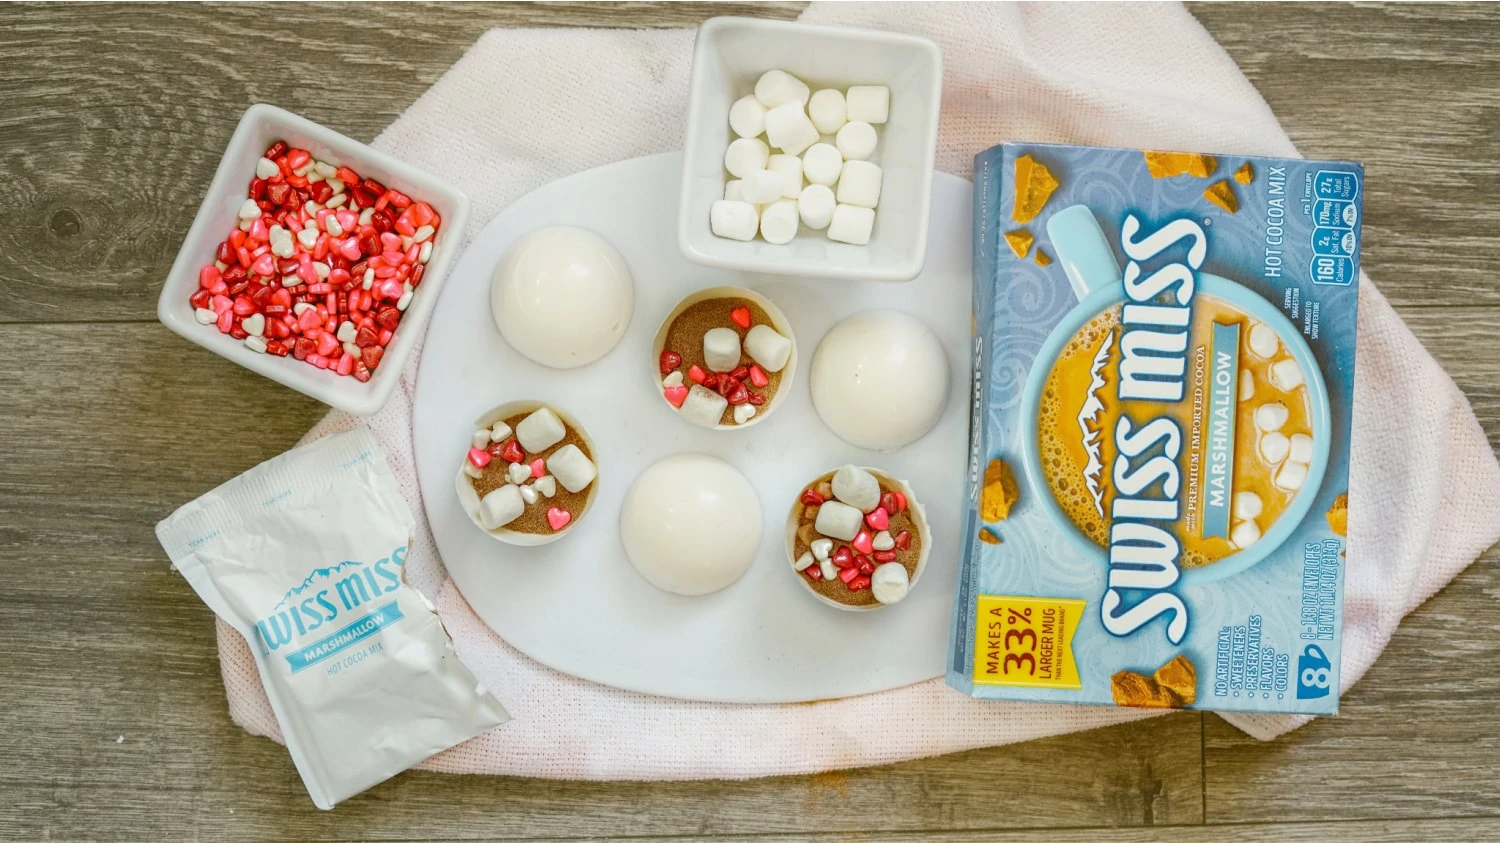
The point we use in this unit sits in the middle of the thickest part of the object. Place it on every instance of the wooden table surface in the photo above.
(112, 715)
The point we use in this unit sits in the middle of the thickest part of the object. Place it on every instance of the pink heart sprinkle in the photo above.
(878, 520)
(558, 518)
(538, 467)
(675, 395)
(479, 457)
(862, 542)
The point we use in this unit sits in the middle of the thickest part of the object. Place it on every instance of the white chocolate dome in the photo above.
(562, 296)
(880, 379)
(691, 524)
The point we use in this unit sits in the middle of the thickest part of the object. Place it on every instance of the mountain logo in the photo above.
(318, 573)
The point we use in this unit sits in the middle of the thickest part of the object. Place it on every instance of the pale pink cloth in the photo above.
(525, 107)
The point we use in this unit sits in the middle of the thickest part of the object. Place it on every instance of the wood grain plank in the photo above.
(1414, 93)
(103, 641)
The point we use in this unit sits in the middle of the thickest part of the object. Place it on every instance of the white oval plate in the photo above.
(577, 605)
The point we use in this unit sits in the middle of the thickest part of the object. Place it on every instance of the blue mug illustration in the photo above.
(1314, 673)
(1089, 262)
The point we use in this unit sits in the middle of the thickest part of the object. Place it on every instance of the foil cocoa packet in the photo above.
(304, 556)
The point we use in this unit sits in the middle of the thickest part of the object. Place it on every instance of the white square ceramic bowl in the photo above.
(261, 126)
(729, 56)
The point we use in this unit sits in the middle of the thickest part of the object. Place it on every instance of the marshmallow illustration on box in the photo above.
(777, 194)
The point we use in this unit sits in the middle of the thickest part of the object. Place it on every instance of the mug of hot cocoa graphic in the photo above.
(1248, 409)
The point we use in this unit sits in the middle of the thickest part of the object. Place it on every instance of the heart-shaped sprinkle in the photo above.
(859, 583)
(877, 518)
(889, 503)
(863, 542)
(675, 395)
(511, 452)
(900, 502)
(538, 467)
(741, 317)
(883, 556)
(842, 557)
(903, 540)
(814, 573)
(738, 394)
(757, 399)
(864, 564)
(696, 373)
(810, 497)
(558, 518)
(758, 376)
(848, 574)
(480, 458)
(670, 360)
(740, 373)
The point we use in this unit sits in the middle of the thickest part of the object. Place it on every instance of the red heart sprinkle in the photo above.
(738, 394)
(878, 519)
(888, 503)
(848, 574)
(884, 556)
(675, 395)
(810, 497)
(710, 381)
(670, 360)
(900, 503)
(864, 565)
(862, 542)
(859, 583)
(758, 376)
(740, 373)
(741, 316)
(558, 518)
(511, 452)
(813, 572)
(757, 399)
(903, 540)
(843, 557)
(696, 374)
(371, 356)
(479, 457)
(538, 467)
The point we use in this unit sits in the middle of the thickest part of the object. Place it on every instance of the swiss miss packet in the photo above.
(1164, 358)
(303, 556)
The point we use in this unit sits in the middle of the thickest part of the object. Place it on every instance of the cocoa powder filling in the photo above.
(685, 336)
(534, 519)
(835, 589)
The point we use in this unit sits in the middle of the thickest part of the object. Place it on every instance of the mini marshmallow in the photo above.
(890, 583)
(734, 190)
(674, 379)
(721, 349)
(851, 224)
(821, 548)
(1247, 385)
(803, 562)
(838, 521)
(829, 572)
(776, 87)
(827, 110)
(744, 413)
(1263, 341)
(501, 507)
(869, 103)
(883, 541)
(529, 495)
(760, 187)
(571, 468)
(788, 168)
(815, 206)
(734, 220)
(789, 130)
(546, 484)
(540, 431)
(857, 488)
(1245, 534)
(747, 117)
(1301, 448)
(822, 163)
(1291, 475)
(859, 184)
(703, 406)
(768, 348)
(1269, 417)
(471, 471)
(481, 438)
(778, 221)
(746, 155)
(1285, 374)
(518, 473)
(856, 141)
(499, 431)
(1247, 505)
(1273, 446)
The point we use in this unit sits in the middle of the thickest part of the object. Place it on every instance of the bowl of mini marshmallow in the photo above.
(809, 150)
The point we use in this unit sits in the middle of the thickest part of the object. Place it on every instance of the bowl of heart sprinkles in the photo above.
(313, 260)
(725, 357)
(857, 538)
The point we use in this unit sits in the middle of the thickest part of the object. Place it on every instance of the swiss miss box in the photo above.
(1164, 358)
